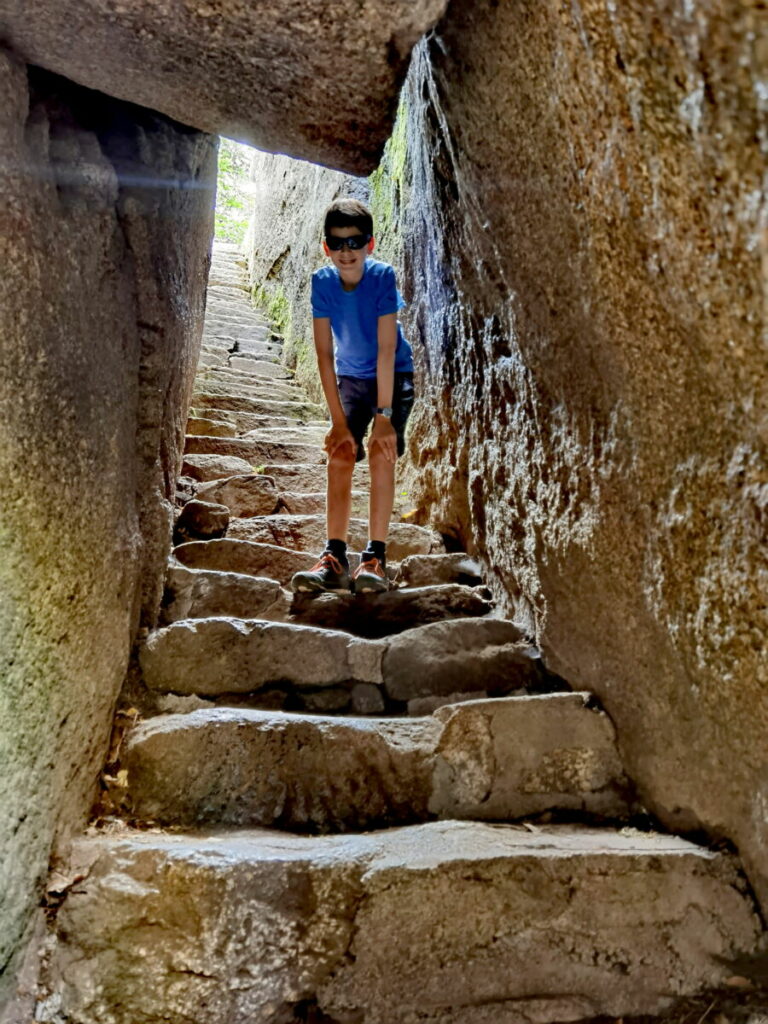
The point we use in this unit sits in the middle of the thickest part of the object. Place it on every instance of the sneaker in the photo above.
(328, 574)
(370, 575)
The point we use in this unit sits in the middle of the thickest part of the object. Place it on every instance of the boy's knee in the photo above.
(343, 458)
(378, 460)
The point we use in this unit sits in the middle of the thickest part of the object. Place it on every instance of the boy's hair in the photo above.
(348, 213)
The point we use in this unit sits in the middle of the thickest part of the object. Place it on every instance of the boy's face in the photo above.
(348, 262)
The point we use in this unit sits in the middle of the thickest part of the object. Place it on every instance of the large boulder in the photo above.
(101, 307)
(268, 74)
(446, 923)
(589, 278)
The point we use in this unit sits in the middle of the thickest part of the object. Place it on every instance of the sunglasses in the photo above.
(353, 243)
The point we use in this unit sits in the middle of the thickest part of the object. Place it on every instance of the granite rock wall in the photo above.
(586, 248)
(105, 227)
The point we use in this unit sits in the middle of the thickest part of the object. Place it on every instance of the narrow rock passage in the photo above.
(280, 719)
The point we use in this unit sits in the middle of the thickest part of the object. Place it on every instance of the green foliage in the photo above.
(233, 203)
(272, 299)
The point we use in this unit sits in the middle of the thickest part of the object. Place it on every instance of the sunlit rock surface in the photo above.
(584, 245)
(314, 79)
(101, 308)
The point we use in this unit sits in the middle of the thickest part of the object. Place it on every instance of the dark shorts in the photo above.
(359, 399)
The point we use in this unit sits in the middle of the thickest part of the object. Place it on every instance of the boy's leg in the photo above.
(338, 508)
(371, 575)
(382, 496)
(332, 570)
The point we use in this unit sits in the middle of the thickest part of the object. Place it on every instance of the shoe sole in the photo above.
(306, 588)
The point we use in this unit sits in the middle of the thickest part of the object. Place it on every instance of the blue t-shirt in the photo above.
(355, 317)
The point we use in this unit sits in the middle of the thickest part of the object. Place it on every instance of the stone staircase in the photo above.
(381, 809)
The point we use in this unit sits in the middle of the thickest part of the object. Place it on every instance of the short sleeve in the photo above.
(389, 299)
(320, 304)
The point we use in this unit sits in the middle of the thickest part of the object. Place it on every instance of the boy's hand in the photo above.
(337, 436)
(385, 435)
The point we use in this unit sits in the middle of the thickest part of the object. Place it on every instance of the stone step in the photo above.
(216, 656)
(461, 655)
(380, 615)
(246, 377)
(227, 383)
(217, 278)
(308, 533)
(261, 367)
(302, 433)
(242, 556)
(233, 293)
(294, 503)
(243, 422)
(252, 494)
(492, 760)
(210, 428)
(277, 664)
(427, 570)
(257, 349)
(225, 316)
(445, 923)
(235, 310)
(261, 407)
(208, 358)
(214, 467)
(306, 477)
(202, 593)
(240, 384)
(253, 451)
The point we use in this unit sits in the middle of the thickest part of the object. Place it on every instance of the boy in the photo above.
(355, 304)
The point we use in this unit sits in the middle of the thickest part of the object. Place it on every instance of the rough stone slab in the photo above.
(308, 533)
(508, 758)
(242, 556)
(250, 494)
(259, 406)
(244, 767)
(228, 655)
(253, 451)
(494, 760)
(480, 923)
(214, 467)
(303, 477)
(210, 428)
(299, 434)
(295, 503)
(378, 615)
(273, 371)
(285, 98)
(244, 421)
(230, 382)
(201, 520)
(458, 656)
(202, 593)
(424, 570)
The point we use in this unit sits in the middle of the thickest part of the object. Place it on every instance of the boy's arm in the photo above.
(383, 432)
(339, 433)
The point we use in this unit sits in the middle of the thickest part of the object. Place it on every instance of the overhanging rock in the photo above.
(314, 79)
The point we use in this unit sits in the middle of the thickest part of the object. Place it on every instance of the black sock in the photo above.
(338, 549)
(377, 548)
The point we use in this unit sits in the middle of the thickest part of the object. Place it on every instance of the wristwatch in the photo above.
(385, 411)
